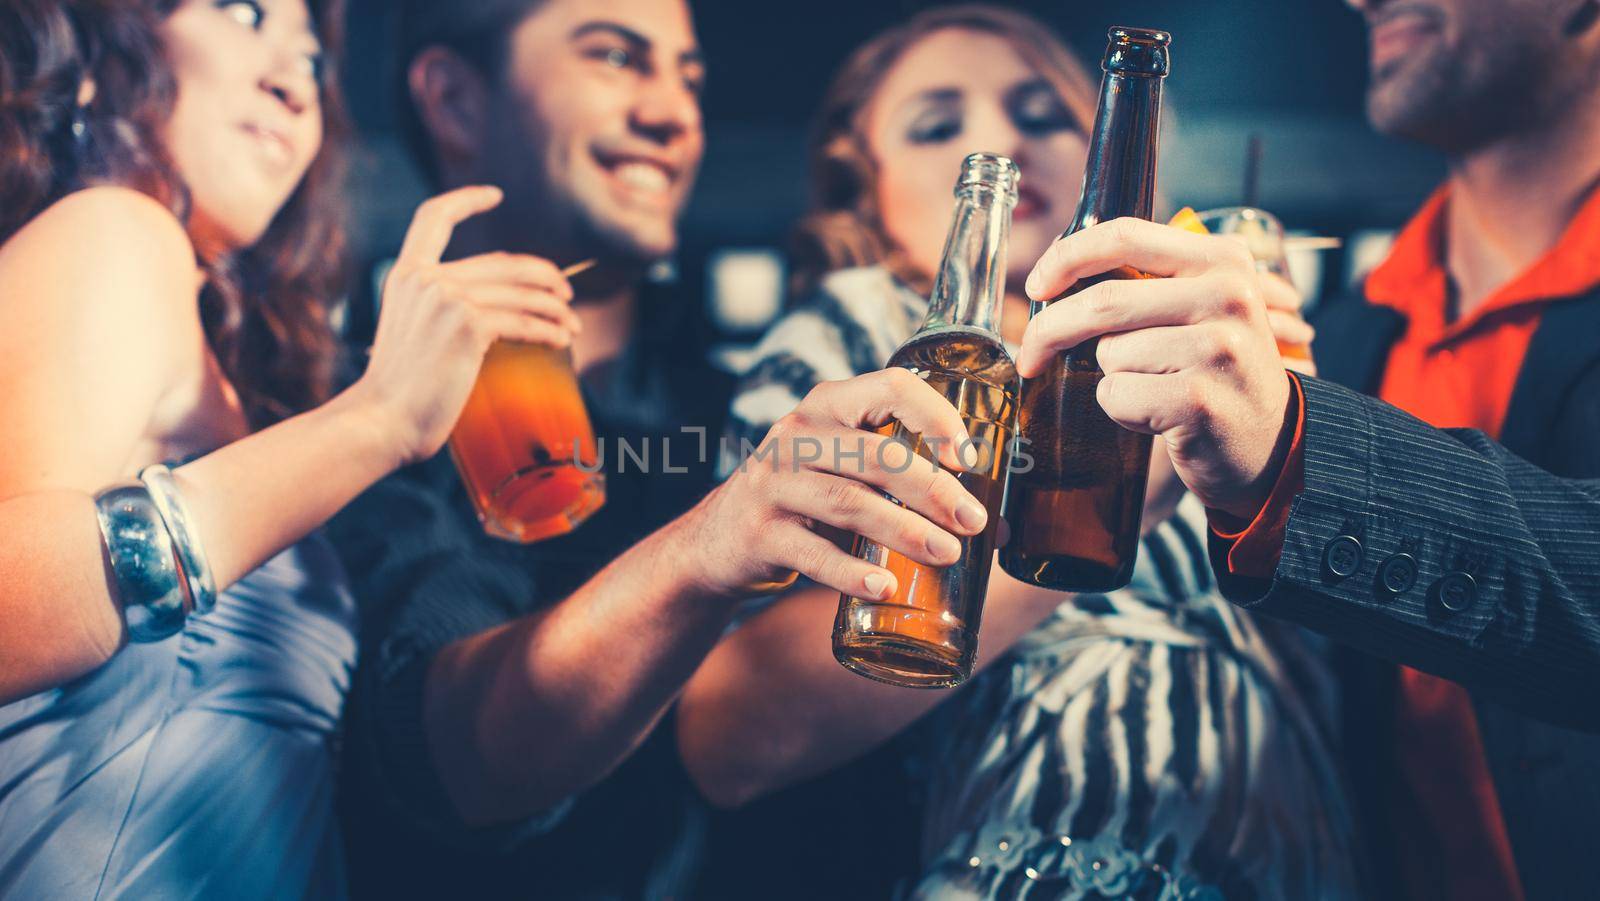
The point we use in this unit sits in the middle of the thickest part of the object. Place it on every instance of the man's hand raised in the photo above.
(1189, 355)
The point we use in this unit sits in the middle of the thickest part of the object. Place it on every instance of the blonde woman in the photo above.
(1152, 742)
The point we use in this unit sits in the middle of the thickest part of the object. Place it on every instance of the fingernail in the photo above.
(956, 458)
(943, 546)
(971, 516)
(877, 585)
(1031, 286)
(971, 455)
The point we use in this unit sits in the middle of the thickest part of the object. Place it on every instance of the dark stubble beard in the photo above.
(1500, 81)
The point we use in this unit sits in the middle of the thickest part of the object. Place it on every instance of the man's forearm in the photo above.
(521, 716)
(771, 706)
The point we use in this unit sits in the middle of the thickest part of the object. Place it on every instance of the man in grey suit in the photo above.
(1434, 499)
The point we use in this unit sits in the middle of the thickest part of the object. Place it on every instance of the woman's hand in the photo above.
(438, 320)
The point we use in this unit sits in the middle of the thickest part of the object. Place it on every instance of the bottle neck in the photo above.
(1120, 179)
(971, 282)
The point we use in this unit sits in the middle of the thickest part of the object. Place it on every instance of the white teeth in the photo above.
(642, 176)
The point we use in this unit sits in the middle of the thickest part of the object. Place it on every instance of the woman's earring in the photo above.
(80, 113)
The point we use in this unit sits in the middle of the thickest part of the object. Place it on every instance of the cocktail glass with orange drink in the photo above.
(524, 444)
(1264, 236)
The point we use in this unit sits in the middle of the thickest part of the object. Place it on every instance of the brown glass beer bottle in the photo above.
(1074, 515)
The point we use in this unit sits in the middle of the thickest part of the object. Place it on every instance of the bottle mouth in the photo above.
(1137, 51)
(990, 171)
(1122, 34)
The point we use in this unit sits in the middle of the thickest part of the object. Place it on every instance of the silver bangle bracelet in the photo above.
(191, 556)
(149, 582)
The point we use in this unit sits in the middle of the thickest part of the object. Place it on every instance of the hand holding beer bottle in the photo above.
(823, 470)
(438, 320)
(1189, 354)
(1075, 516)
(926, 634)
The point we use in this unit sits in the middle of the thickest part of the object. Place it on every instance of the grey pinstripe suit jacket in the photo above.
(1505, 597)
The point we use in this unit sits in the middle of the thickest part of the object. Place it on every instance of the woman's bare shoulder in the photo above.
(99, 321)
(104, 224)
(112, 251)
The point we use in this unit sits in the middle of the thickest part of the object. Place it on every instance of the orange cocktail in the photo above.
(525, 447)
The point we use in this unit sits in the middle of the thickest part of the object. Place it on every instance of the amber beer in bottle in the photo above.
(1074, 515)
(926, 634)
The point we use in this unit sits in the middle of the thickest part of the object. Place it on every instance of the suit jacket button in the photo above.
(1398, 574)
(1456, 591)
(1342, 557)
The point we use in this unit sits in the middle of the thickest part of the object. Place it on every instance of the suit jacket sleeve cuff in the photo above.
(1254, 551)
(1383, 549)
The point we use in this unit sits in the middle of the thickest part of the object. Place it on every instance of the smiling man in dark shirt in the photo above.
(504, 731)
(479, 108)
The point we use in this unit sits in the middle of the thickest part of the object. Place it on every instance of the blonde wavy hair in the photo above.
(844, 227)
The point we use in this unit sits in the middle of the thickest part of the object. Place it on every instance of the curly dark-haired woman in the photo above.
(177, 642)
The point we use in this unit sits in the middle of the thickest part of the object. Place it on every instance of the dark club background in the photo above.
(1292, 71)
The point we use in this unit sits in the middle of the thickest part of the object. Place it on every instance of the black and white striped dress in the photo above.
(1154, 742)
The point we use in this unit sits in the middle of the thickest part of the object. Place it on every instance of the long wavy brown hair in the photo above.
(844, 226)
(264, 307)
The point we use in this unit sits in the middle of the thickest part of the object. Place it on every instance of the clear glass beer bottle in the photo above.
(926, 635)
